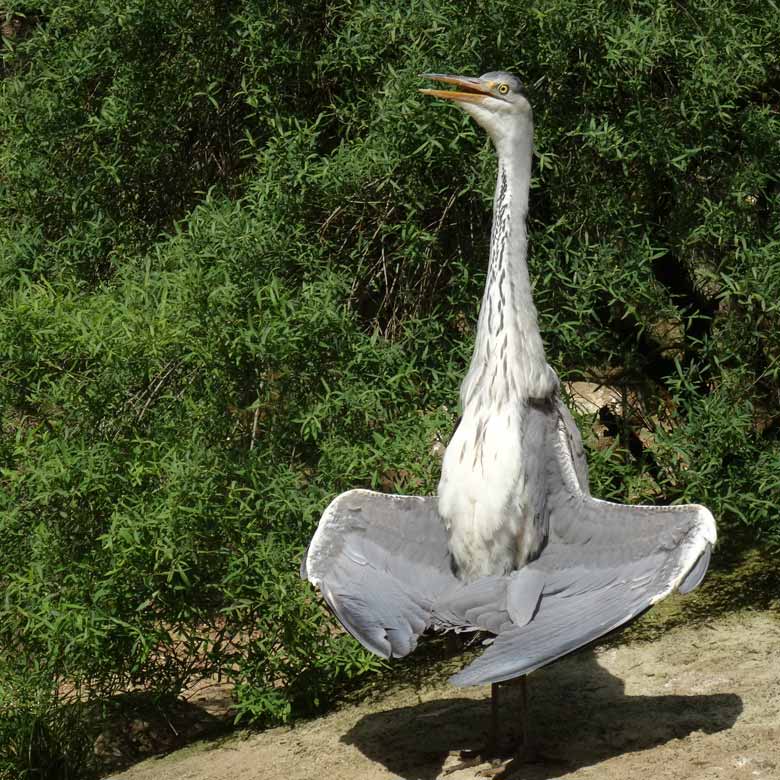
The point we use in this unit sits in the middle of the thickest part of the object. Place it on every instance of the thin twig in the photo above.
(254, 428)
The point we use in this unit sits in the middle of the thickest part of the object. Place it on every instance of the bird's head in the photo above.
(496, 100)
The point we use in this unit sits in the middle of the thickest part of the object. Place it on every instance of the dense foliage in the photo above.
(240, 265)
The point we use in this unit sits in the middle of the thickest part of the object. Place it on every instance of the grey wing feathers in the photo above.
(604, 565)
(489, 603)
(380, 561)
(574, 443)
(382, 564)
(581, 603)
(694, 577)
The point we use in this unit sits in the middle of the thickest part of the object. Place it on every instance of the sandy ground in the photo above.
(698, 703)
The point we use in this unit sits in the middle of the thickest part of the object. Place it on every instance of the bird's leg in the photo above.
(490, 750)
(499, 769)
(494, 737)
(527, 751)
(524, 743)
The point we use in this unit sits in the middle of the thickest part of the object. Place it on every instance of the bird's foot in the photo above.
(471, 758)
(529, 754)
(495, 772)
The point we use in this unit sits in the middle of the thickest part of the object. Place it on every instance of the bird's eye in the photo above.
(503, 89)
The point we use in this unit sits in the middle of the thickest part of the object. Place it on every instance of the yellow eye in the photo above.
(503, 89)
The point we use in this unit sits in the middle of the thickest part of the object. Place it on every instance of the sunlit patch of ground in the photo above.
(690, 690)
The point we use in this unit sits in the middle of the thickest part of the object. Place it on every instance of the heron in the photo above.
(513, 544)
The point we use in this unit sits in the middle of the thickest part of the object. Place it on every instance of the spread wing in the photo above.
(383, 566)
(604, 564)
(380, 561)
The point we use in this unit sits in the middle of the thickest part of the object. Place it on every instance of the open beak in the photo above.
(473, 90)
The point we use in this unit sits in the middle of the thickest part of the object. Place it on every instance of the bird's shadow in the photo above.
(578, 712)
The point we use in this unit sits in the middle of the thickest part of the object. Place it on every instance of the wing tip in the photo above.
(373, 640)
(692, 575)
(706, 522)
(695, 574)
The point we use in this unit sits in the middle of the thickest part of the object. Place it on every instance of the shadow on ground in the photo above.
(579, 713)
(139, 725)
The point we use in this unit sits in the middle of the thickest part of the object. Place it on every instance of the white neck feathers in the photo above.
(508, 365)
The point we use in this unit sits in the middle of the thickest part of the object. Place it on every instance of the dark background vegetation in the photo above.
(240, 266)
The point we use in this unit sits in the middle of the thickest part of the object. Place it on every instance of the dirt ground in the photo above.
(698, 703)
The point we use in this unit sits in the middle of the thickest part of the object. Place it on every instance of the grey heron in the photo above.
(513, 544)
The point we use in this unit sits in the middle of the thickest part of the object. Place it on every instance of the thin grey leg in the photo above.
(525, 737)
(495, 722)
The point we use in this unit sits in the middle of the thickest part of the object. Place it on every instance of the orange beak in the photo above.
(474, 90)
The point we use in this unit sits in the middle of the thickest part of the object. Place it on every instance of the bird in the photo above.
(513, 543)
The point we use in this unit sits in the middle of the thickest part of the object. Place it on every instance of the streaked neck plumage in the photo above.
(494, 524)
(508, 364)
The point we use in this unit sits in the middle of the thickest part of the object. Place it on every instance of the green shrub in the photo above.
(240, 265)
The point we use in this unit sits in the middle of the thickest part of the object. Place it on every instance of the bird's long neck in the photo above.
(508, 365)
